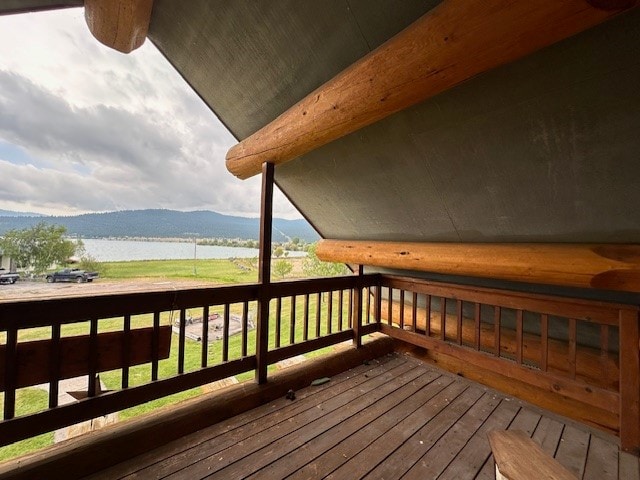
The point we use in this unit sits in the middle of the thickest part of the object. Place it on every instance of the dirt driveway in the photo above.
(31, 290)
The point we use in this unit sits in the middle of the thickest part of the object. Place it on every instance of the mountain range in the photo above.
(162, 224)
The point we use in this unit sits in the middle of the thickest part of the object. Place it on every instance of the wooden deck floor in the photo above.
(393, 418)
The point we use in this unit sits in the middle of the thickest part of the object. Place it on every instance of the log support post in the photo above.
(629, 381)
(357, 310)
(264, 273)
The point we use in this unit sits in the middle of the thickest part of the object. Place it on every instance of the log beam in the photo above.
(450, 44)
(605, 267)
(119, 24)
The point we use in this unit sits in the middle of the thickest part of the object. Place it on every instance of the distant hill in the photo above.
(9, 213)
(165, 223)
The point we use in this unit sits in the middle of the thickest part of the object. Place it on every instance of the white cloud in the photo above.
(105, 131)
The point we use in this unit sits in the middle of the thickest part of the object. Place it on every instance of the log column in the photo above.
(264, 273)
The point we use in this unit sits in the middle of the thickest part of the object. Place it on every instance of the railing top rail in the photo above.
(317, 285)
(39, 313)
(587, 310)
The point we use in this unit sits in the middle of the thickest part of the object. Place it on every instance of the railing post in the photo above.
(629, 381)
(357, 309)
(264, 273)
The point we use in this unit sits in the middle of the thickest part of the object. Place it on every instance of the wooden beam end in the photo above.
(119, 24)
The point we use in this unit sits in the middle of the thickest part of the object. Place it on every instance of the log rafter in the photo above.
(604, 267)
(449, 45)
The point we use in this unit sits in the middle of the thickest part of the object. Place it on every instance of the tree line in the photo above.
(36, 249)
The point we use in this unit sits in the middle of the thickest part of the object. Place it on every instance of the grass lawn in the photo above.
(215, 271)
(212, 270)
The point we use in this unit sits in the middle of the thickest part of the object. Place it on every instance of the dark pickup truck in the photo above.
(8, 278)
(71, 275)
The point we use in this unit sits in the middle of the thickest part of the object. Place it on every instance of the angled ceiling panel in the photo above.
(21, 6)
(544, 149)
(250, 61)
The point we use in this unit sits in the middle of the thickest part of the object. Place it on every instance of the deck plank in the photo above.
(602, 460)
(526, 420)
(548, 433)
(435, 456)
(355, 413)
(572, 450)
(394, 418)
(325, 415)
(477, 450)
(376, 420)
(264, 416)
(414, 441)
(376, 444)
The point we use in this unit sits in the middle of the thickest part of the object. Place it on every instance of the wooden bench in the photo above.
(518, 457)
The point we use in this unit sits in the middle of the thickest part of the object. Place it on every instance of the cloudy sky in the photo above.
(84, 128)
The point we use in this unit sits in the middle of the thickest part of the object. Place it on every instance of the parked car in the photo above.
(71, 275)
(7, 278)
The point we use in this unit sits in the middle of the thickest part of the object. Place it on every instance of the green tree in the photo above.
(278, 252)
(282, 268)
(37, 248)
(314, 267)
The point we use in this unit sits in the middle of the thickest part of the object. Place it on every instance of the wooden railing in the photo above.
(586, 351)
(114, 333)
(581, 350)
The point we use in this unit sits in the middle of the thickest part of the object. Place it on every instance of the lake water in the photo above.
(105, 250)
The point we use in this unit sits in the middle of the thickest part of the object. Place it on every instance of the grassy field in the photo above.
(215, 271)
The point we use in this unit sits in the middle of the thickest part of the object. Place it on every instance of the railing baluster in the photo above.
(93, 357)
(357, 305)
(604, 349)
(204, 352)
(544, 342)
(10, 373)
(478, 325)
(340, 309)
(414, 311)
(368, 314)
(155, 346)
(378, 304)
(225, 333)
(126, 350)
(443, 318)
(245, 328)
(519, 346)
(350, 311)
(427, 308)
(402, 309)
(459, 321)
(390, 307)
(318, 306)
(330, 312)
(572, 348)
(305, 326)
(278, 321)
(496, 330)
(54, 366)
(181, 339)
(292, 321)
